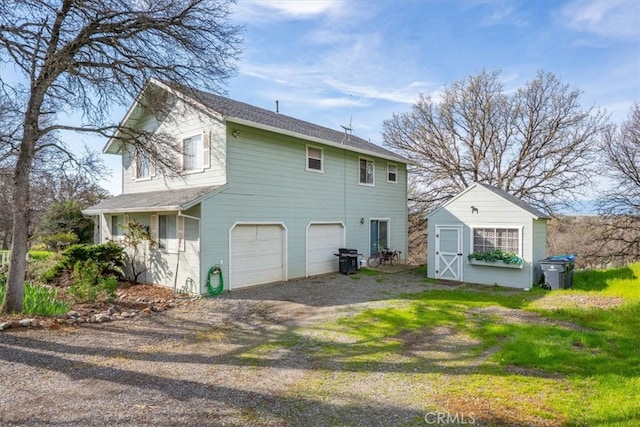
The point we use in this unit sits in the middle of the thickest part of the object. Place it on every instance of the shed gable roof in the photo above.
(243, 113)
(534, 212)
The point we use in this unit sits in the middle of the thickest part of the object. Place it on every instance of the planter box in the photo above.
(499, 264)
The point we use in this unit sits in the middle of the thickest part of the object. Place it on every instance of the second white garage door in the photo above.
(323, 242)
(257, 255)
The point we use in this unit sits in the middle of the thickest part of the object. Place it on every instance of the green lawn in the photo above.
(494, 354)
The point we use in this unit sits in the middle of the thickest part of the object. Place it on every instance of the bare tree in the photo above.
(619, 206)
(82, 56)
(537, 143)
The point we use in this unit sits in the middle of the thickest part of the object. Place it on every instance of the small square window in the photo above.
(314, 159)
(392, 173)
(367, 168)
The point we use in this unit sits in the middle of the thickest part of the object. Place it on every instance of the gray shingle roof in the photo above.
(240, 110)
(165, 200)
(516, 201)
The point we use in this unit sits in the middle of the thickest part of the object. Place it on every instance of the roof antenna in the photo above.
(277, 106)
(348, 130)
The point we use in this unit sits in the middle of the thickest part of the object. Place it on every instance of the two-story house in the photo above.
(262, 195)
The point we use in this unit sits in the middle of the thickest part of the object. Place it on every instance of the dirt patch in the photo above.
(557, 301)
(511, 315)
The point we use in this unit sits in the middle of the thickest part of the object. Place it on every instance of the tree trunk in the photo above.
(14, 293)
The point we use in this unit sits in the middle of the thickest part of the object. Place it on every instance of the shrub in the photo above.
(36, 268)
(107, 256)
(37, 255)
(89, 282)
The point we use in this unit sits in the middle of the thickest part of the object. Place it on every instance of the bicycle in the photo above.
(382, 256)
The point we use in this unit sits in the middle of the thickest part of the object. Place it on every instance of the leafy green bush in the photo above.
(37, 267)
(107, 256)
(39, 255)
(89, 283)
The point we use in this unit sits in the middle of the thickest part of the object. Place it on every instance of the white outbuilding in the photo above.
(480, 224)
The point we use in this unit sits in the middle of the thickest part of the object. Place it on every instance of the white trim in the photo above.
(518, 227)
(284, 249)
(366, 184)
(459, 255)
(306, 238)
(396, 173)
(498, 264)
(198, 154)
(306, 156)
(388, 232)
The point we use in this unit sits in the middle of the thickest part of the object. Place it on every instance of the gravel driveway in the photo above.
(206, 362)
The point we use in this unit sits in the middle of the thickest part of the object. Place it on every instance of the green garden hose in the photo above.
(218, 289)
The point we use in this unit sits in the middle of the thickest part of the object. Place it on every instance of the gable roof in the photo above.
(233, 111)
(534, 212)
(516, 201)
(154, 201)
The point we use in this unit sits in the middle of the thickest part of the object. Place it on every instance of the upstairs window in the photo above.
(367, 168)
(192, 153)
(143, 165)
(392, 173)
(488, 239)
(314, 159)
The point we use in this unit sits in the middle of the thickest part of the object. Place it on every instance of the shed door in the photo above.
(449, 252)
(323, 242)
(257, 255)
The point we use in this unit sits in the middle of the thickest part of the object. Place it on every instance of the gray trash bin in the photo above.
(558, 271)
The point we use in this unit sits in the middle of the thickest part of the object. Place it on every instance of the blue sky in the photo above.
(335, 61)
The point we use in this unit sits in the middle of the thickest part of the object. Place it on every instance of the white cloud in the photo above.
(254, 10)
(612, 19)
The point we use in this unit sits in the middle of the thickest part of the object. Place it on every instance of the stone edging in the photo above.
(76, 318)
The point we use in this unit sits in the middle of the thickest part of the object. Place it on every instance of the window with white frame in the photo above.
(367, 168)
(143, 165)
(392, 172)
(167, 232)
(314, 159)
(116, 228)
(486, 239)
(192, 153)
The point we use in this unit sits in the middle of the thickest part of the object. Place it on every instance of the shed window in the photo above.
(314, 159)
(367, 168)
(489, 239)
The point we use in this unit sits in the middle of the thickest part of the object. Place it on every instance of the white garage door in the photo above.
(323, 242)
(257, 255)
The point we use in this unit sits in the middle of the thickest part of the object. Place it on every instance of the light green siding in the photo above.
(268, 183)
(490, 210)
(183, 122)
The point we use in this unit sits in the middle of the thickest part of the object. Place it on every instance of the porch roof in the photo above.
(153, 201)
